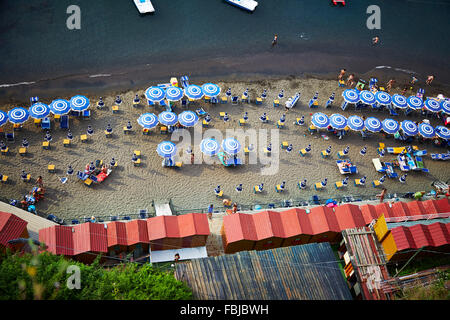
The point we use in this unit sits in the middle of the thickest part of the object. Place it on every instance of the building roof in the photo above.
(430, 206)
(416, 208)
(400, 209)
(421, 235)
(443, 205)
(163, 227)
(239, 226)
(117, 234)
(11, 227)
(403, 238)
(268, 224)
(295, 272)
(295, 222)
(323, 220)
(385, 209)
(90, 237)
(369, 212)
(349, 216)
(193, 224)
(58, 240)
(137, 232)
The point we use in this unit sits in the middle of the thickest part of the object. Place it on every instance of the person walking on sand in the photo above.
(275, 40)
(235, 207)
(381, 195)
(351, 80)
(375, 40)
(389, 85)
(341, 74)
(39, 182)
(429, 80)
(210, 211)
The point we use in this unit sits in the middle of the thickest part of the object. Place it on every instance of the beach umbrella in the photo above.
(399, 101)
(59, 106)
(355, 123)
(415, 103)
(174, 93)
(351, 96)
(193, 92)
(211, 90)
(338, 121)
(79, 103)
(231, 146)
(442, 132)
(3, 118)
(426, 130)
(373, 124)
(166, 149)
(409, 127)
(148, 120)
(168, 118)
(383, 98)
(155, 94)
(390, 126)
(432, 105)
(39, 110)
(209, 147)
(188, 118)
(18, 115)
(367, 97)
(320, 120)
(445, 105)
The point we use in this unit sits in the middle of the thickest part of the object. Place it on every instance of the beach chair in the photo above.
(376, 183)
(318, 186)
(64, 122)
(184, 81)
(341, 154)
(88, 182)
(22, 151)
(341, 83)
(4, 179)
(284, 144)
(163, 130)
(108, 134)
(219, 194)
(66, 142)
(325, 154)
(267, 151)
(113, 218)
(45, 124)
(37, 122)
(344, 105)
(339, 185)
(115, 109)
(75, 221)
(137, 162)
(222, 114)
(207, 99)
(357, 182)
(27, 179)
(245, 98)
(420, 165)
(184, 103)
(242, 122)
(278, 188)
(51, 168)
(9, 136)
(235, 100)
(258, 101)
(276, 103)
(17, 126)
(46, 145)
(280, 124)
(223, 99)
(5, 151)
(256, 189)
(303, 152)
(143, 213)
(86, 114)
(83, 138)
(313, 103)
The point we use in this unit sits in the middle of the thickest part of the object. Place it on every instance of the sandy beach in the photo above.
(131, 188)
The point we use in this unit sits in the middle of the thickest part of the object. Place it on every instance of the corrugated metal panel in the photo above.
(90, 237)
(443, 205)
(384, 209)
(380, 228)
(239, 226)
(291, 223)
(440, 234)
(416, 208)
(369, 213)
(403, 238)
(430, 206)
(349, 216)
(278, 274)
(156, 228)
(58, 239)
(137, 232)
(323, 220)
(193, 224)
(400, 209)
(117, 233)
(11, 227)
(421, 236)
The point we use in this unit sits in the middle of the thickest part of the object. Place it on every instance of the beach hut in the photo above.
(443, 205)
(238, 233)
(137, 237)
(384, 209)
(400, 210)
(116, 232)
(324, 224)
(416, 210)
(297, 227)
(269, 230)
(11, 227)
(164, 233)
(369, 213)
(90, 240)
(194, 229)
(430, 206)
(440, 235)
(349, 216)
(58, 240)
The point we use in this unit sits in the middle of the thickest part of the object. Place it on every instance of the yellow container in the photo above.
(381, 228)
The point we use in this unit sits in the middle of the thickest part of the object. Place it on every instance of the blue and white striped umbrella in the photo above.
(231, 146)
(383, 98)
(209, 147)
(338, 121)
(188, 118)
(168, 118)
(415, 103)
(59, 106)
(432, 105)
(390, 126)
(166, 149)
(373, 124)
(18, 115)
(39, 110)
(79, 103)
(426, 130)
(193, 92)
(367, 97)
(351, 96)
(355, 123)
(320, 120)
(211, 90)
(445, 105)
(148, 120)
(409, 128)
(155, 94)
(442, 132)
(399, 101)
(174, 93)
(3, 118)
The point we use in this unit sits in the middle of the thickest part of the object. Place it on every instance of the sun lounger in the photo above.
(402, 163)
(17, 126)
(219, 194)
(200, 112)
(377, 164)
(4, 179)
(9, 136)
(284, 144)
(46, 145)
(276, 103)
(420, 165)
(64, 122)
(358, 182)
(344, 169)
(325, 154)
(257, 189)
(389, 170)
(22, 151)
(341, 154)
(303, 152)
(411, 163)
(27, 179)
(5, 151)
(419, 153)
(280, 124)
(278, 188)
(108, 134)
(235, 100)
(376, 183)
(397, 150)
(223, 99)
(318, 186)
(51, 168)
(137, 162)
(339, 185)
(82, 176)
(37, 122)
(45, 124)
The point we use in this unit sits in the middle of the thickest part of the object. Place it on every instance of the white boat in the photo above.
(144, 6)
(248, 5)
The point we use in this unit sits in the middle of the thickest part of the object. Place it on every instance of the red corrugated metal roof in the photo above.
(11, 227)
(291, 222)
(58, 239)
(369, 212)
(421, 236)
(323, 220)
(384, 208)
(439, 233)
(443, 205)
(117, 233)
(403, 238)
(400, 209)
(416, 208)
(163, 227)
(349, 216)
(305, 223)
(137, 232)
(430, 206)
(90, 237)
(192, 224)
(268, 224)
(239, 226)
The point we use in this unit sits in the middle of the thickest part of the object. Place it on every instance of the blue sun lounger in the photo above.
(45, 123)
(184, 81)
(440, 156)
(81, 175)
(64, 123)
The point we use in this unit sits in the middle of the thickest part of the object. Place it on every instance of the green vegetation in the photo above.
(419, 264)
(435, 291)
(44, 276)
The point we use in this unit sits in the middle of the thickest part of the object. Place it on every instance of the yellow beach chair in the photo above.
(145, 131)
(246, 151)
(115, 109)
(280, 124)
(341, 154)
(66, 142)
(257, 189)
(245, 99)
(28, 178)
(137, 162)
(284, 144)
(220, 194)
(46, 145)
(17, 126)
(224, 99)
(376, 183)
(358, 182)
(338, 184)
(51, 168)
(88, 182)
(4, 179)
(303, 152)
(137, 153)
(276, 103)
(5, 151)
(125, 130)
(324, 154)
(108, 134)
(207, 99)
(37, 122)
(278, 188)
(205, 124)
(163, 130)
(221, 115)
(22, 151)
(57, 117)
(241, 122)
(267, 151)
(178, 164)
(318, 186)
(83, 138)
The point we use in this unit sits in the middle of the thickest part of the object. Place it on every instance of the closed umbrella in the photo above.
(168, 118)
(338, 121)
(155, 94)
(426, 130)
(409, 127)
(18, 115)
(390, 126)
(39, 110)
(188, 118)
(211, 90)
(209, 147)
(166, 149)
(355, 123)
(231, 146)
(320, 120)
(59, 107)
(148, 120)
(193, 92)
(79, 103)
(373, 124)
